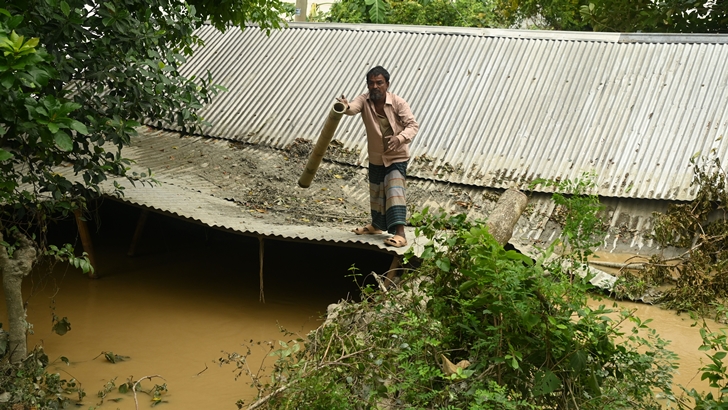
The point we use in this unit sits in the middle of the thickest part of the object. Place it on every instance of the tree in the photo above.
(460, 13)
(676, 16)
(669, 16)
(76, 78)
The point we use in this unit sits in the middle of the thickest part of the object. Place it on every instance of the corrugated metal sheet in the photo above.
(188, 192)
(180, 201)
(497, 108)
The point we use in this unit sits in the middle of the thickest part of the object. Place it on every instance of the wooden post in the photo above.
(392, 272)
(86, 242)
(260, 257)
(504, 216)
(141, 222)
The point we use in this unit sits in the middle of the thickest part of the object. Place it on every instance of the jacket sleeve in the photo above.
(356, 105)
(408, 121)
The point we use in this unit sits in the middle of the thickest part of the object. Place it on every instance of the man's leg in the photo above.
(377, 196)
(395, 203)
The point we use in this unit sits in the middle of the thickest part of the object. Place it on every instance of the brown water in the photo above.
(685, 339)
(194, 293)
(680, 330)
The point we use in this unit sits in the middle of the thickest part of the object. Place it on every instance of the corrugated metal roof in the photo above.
(185, 190)
(178, 200)
(497, 108)
(188, 191)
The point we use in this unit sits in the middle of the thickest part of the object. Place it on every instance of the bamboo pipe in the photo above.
(332, 121)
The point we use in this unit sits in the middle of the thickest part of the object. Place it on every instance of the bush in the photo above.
(27, 385)
(519, 330)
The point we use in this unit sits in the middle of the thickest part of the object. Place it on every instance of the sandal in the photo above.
(396, 241)
(367, 230)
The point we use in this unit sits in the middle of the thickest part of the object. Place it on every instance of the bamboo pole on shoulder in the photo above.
(319, 150)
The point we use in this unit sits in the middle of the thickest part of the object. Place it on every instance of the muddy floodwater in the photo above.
(192, 292)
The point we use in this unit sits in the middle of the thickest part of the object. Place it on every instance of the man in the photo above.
(390, 127)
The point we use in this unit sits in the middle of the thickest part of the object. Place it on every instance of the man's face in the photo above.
(377, 87)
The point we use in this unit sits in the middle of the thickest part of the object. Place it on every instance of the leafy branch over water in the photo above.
(698, 278)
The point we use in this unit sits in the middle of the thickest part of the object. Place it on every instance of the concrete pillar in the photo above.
(300, 14)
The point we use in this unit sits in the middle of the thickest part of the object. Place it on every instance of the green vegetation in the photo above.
(697, 279)
(28, 385)
(479, 327)
(462, 13)
(474, 327)
(715, 342)
(578, 212)
(668, 16)
(76, 78)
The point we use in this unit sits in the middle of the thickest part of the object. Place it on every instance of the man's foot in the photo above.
(397, 241)
(367, 230)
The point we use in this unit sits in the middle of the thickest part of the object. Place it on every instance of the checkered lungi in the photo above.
(387, 195)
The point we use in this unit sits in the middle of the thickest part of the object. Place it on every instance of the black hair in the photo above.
(378, 70)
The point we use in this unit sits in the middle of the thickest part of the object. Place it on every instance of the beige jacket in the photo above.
(401, 119)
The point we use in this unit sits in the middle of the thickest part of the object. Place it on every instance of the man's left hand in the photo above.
(392, 142)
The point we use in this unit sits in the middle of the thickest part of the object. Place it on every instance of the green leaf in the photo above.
(65, 8)
(578, 361)
(62, 326)
(5, 155)
(467, 285)
(79, 127)
(53, 127)
(31, 43)
(14, 21)
(443, 264)
(428, 253)
(545, 382)
(7, 80)
(63, 140)
(378, 10)
(110, 357)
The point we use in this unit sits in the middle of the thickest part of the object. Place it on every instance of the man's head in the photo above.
(378, 83)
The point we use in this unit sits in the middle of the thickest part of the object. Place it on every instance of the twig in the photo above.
(203, 370)
(133, 388)
(619, 265)
(281, 389)
(262, 401)
(380, 282)
(641, 265)
(326, 352)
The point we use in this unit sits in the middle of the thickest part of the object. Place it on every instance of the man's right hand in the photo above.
(343, 100)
